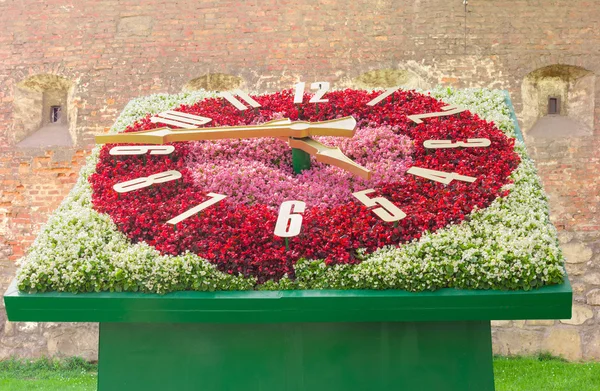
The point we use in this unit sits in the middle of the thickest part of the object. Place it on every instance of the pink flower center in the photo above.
(259, 171)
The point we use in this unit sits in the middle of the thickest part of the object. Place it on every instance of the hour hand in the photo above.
(341, 127)
(333, 156)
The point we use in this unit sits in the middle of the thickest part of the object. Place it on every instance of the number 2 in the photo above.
(387, 211)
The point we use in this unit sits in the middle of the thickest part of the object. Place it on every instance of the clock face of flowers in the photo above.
(247, 180)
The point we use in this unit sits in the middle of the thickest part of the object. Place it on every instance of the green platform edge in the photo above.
(513, 117)
(448, 304)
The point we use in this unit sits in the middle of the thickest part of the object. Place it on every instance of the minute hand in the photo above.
(343, 127)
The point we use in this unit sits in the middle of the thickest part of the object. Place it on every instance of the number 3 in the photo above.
(471, 143)
(387, 211)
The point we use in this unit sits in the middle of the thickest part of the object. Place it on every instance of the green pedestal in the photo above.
(296, 356)
(294, 340)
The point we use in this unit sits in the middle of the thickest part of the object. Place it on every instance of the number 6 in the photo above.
(288, 223)
(387, 211)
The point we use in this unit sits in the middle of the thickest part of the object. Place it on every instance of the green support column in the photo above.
(300, 160)
(373, 356)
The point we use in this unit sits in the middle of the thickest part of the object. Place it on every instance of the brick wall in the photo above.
(114, 51)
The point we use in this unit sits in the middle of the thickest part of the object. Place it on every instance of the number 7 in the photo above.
(387, 212)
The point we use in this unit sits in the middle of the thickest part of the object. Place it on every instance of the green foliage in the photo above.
(23, 368)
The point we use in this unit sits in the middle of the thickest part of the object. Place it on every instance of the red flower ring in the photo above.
(239, 238)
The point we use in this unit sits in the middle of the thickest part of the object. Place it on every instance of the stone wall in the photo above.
(112, 51)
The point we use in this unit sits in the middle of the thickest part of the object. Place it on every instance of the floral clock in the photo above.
(255, 184)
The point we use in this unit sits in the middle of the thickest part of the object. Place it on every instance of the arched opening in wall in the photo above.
(558, 101)
(43, 112)
(385, 78)
(214, 82)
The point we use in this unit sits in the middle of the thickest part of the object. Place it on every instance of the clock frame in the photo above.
(442, 253)
(371, 205)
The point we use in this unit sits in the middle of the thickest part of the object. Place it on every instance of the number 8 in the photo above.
(141, 182)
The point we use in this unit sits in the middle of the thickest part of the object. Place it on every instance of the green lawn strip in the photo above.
(545, 373)
(86, 382)
(542, 372)
(48, 375)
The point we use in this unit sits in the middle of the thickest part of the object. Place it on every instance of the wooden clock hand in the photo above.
(341, 127)
(328, 155)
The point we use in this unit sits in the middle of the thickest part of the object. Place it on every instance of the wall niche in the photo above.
(558, 101)
(214, 82)
(44, 114)
(385, 78)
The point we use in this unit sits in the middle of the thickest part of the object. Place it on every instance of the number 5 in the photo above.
(387, 211)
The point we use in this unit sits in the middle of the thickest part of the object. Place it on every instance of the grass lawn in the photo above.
(542, 372)
(48, 375)
(545, 373)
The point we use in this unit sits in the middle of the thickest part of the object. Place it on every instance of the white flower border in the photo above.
(509, 245)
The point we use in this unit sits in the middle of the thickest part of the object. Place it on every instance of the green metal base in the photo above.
(300, 160)
(294, 340)
(369, 356)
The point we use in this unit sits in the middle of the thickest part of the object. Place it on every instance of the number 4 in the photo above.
(439, 176)
(387, 211)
